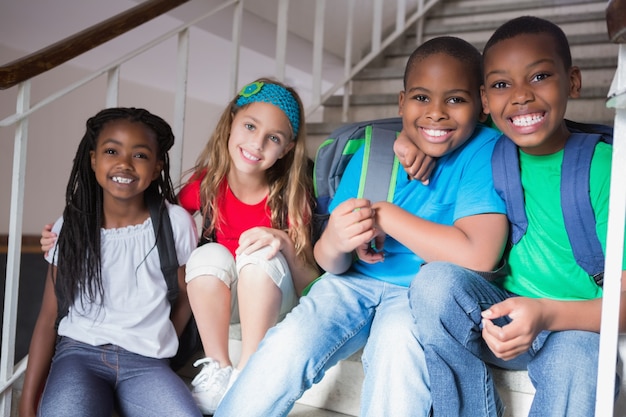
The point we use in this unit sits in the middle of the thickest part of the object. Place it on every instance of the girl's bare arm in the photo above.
(181, 311)
(41, 350)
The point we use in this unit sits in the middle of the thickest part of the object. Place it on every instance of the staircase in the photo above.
(375, 95)
(375, 89)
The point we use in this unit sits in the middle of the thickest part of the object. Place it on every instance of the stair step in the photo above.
(407, 46)
(397, 72)
(301, 410)
(338, 393)
(378, 99)
(464, 8)
(436, 27)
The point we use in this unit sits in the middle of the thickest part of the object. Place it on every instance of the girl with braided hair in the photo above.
(252, 185)
(116, 330)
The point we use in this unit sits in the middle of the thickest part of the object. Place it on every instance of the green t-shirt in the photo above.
(542, 262)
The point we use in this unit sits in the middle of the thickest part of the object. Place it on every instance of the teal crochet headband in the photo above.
(274, 94)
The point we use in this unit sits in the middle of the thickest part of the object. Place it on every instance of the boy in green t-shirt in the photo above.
(544, 315)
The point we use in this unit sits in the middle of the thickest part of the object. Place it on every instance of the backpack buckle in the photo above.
(599, 278)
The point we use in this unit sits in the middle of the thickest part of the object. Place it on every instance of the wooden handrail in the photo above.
(56, 54)
(616, 20)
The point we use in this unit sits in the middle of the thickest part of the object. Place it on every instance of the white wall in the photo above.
(54, 136)
(147, 81)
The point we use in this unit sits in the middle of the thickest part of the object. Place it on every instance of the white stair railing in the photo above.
(614, 246)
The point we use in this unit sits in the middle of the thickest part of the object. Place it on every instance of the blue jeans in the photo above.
(446, 301)
(88, 380)
(340, 315)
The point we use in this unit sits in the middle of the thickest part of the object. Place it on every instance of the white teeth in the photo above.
(526, 120)
(249, 156)
(122, 180)
(435, 132)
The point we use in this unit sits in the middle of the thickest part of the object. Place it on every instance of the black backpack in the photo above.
(189, 341)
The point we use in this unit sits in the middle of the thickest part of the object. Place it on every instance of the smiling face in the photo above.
(125, 160)
(526, 91)
(260, 134)
(440, 104)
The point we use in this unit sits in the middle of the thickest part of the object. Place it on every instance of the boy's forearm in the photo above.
(474, 242)
(583, 315)
(330, 259)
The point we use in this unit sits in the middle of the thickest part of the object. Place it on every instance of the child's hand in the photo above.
(350, 225)
(515, 338)
(258, 237)
(415, 162)
(47, 239)
(371, 252)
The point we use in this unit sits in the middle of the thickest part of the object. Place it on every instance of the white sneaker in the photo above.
(210, 385)
(233, 378)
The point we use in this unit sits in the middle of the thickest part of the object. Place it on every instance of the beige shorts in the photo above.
(215, 260)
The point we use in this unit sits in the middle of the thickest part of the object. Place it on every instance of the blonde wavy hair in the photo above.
(291, 191)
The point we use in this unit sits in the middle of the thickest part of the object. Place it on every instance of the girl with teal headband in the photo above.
(252, 185)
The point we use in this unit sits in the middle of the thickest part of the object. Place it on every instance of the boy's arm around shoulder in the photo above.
(41, 349)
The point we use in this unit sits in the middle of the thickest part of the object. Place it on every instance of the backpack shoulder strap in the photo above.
(165, 245)
(380, 165)
(580, 221)
(333, 156)
(508, 184)
(578, 214)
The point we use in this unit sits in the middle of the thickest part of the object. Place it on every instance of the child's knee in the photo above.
(211, 259)
(275, 268)
(435, 281)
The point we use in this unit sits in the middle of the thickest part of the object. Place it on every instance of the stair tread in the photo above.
(435, 28)
(398, 72)
(408, 46)
(459, 8)
(301, 410)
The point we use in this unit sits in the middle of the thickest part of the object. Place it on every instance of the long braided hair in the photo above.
(78, 270)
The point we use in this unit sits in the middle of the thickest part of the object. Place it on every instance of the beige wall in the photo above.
(54, 134)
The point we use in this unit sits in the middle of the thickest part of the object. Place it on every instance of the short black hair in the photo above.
(455, 47)
(531, 25)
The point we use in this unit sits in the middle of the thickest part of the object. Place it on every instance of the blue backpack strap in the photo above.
(508, 184)
(380, 165)
(578, 214)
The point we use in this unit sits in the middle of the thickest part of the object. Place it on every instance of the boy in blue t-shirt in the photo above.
(363, 303)
(544, 314)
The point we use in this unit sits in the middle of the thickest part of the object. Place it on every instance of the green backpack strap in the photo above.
(380, 165)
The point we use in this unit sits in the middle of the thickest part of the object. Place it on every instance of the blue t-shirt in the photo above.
(461, 185)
